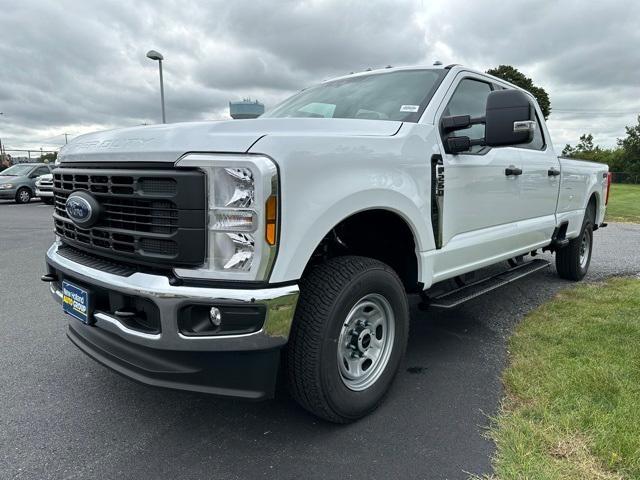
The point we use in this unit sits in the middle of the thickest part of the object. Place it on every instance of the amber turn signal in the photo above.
(271, 220)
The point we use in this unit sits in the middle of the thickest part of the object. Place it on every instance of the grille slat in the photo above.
(151, 216)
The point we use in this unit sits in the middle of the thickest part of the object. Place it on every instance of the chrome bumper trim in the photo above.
(280, 302)
(103, 317)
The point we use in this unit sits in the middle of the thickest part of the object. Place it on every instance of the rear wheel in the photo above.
(348, 337)
(573, 260)
(23, 195)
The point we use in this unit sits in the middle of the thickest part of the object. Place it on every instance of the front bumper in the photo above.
(242, 365)
(44, 193)
(9, 193)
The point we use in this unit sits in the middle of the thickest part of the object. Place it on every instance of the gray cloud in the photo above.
(75, 66)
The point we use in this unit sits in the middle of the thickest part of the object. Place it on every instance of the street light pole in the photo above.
(153, 55)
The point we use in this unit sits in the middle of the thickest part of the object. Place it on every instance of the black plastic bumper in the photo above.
(247, 374)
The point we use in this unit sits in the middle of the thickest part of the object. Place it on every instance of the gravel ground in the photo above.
(64, 416)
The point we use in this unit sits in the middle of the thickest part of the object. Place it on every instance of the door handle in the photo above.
(553, 172)
(512, 171)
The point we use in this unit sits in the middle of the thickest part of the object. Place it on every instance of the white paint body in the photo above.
(331, 169)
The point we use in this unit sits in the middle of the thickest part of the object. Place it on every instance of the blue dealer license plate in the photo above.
(75, 302)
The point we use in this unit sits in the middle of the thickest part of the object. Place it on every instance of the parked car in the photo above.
(44, 188)
(19, 181)
(198, 256)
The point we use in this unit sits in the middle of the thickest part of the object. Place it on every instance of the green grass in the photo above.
(572, 405)
(624, 203)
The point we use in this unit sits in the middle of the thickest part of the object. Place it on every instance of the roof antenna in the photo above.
(437, 63)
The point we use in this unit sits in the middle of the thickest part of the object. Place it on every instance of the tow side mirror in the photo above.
(509, 119)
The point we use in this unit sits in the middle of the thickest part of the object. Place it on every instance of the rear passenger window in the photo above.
(470, 98)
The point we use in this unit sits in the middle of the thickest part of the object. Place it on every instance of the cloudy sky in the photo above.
(77, 66)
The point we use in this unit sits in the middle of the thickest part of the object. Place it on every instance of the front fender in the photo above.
(303, 233)
(325, 179)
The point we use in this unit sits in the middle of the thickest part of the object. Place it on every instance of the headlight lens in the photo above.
(242, 235)
(234, 251)
(234, 187)
(6, 186)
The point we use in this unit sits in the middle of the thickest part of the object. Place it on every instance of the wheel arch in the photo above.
(382, 233)
(594, 199)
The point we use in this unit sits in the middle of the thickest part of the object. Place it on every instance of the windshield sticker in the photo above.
(409, 108)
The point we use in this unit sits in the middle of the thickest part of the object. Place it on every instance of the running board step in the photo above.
(473, 290)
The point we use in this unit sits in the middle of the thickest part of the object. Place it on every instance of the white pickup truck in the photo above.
(209, 256)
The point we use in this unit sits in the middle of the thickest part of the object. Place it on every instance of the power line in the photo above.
(595, 110)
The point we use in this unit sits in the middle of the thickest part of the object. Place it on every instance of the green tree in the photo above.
(585, 149)
(631, 148)
(624, 158)
(515, 76)
(49, 157)
(586, 143)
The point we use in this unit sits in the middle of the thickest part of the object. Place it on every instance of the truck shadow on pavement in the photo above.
(430, 425)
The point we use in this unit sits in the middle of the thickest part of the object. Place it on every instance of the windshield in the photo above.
(17, 170)
(399, 95)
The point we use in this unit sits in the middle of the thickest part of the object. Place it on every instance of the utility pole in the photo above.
(65, 138)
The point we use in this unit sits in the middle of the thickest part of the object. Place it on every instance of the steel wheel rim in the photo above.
(585, 244)
(24, 196)
(365, 342)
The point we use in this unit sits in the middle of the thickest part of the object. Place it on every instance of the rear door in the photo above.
(539, 186)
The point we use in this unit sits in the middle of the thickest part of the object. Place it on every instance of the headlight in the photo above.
(243, 210)
(6, 186)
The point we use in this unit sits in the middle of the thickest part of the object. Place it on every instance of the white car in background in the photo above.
(44, 188)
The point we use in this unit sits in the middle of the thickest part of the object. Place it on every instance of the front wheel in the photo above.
(348, 337)
(23, 195)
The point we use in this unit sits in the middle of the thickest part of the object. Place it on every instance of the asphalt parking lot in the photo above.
(64, 416)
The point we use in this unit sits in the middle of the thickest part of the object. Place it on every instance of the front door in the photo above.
(482, 204)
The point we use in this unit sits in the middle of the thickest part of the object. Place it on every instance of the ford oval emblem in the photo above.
(82, 209)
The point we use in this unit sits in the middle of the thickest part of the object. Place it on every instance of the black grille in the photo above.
(145, 216)
(156, 216)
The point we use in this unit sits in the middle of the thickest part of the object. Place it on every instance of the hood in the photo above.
(168, 142)
(11, 178)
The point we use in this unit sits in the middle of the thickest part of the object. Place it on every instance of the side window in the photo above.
(538, 138)
(42, 171)
(470, 98)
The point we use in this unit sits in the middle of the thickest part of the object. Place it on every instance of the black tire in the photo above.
(23, 195)
(573, 260)
(48, 200)
(328, 294)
